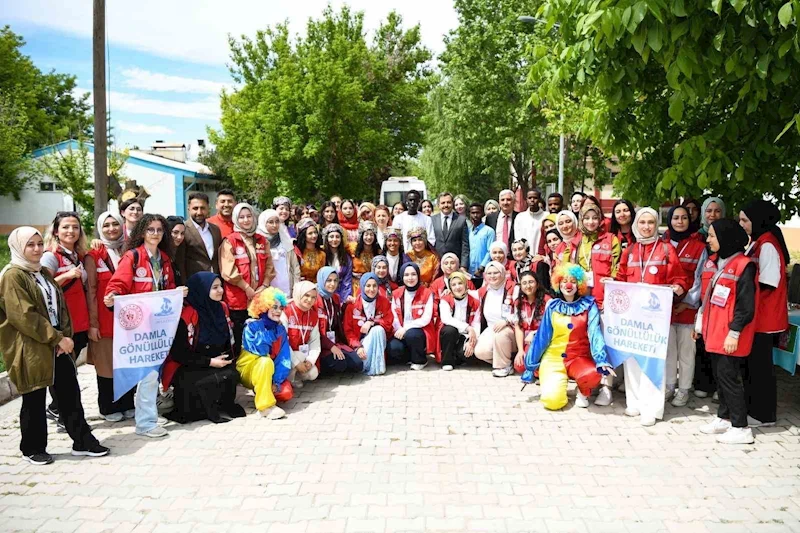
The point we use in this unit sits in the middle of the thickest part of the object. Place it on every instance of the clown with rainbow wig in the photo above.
(569, 343)
(266, 358)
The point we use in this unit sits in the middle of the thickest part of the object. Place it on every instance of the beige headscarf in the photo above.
(301, 288)
(17, 241)
(236, 227)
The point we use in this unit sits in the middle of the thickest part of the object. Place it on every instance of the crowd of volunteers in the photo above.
(277, 298)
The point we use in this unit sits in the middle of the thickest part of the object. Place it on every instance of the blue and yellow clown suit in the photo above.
(568, 344)
(266, 359)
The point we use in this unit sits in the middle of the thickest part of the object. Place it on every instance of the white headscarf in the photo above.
(570, 214)
(635, 227)
(17, 241)
(236, 227)
(501, 268)
(113, 247)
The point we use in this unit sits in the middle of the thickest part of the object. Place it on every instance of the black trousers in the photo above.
(760, 385)
(451, 343)
(32, 417)
(238, 318)
(81, 340)
(351, 363)
(703, 369)
(411, 348)
(105, 397)
(728, 371)
(200, 393)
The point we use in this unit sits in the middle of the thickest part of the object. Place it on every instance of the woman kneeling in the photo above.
(569, 343)
(265, 361)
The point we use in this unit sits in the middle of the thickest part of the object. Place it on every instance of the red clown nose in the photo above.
(569, 286)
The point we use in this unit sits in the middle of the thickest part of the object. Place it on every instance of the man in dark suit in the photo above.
(502, 222)
(451, 231)
(201, 242)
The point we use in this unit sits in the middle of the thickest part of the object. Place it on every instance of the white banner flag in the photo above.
(636, 320)
(144, 328)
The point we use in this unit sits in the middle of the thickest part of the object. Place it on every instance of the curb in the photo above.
(7, 389)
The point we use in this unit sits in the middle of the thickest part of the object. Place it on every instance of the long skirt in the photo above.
(374, 344)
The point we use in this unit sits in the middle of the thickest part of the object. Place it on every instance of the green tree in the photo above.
(325, 113)
(52, 112)
(72, 171)
(483, 134)
(13, 131)
(694, 97)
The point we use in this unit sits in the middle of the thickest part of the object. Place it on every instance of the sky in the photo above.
(167, 59)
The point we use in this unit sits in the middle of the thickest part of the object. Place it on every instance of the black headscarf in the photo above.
(765, 217)
(403, 271)
(674, 234)
(212, 322)
(694, 225)
(731, 237)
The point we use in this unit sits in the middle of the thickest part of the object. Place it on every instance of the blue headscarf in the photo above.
(363, 283)
(322, 276)
(403, 271)
(212, 322)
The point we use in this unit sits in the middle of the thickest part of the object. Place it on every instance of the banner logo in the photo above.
(130, 316)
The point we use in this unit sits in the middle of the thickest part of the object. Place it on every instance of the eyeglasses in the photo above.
(155, 231)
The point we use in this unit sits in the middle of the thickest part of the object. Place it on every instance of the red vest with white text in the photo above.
(717, 318)
(105, 269)
(74, 294)
(235, 297)
(689, 252)
(417, 309)
(300, 325)
(772, 314)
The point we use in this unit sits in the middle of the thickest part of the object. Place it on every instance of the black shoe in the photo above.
(52, 413)
(93, 450)
(60, 427)
(235, 410)
(39, 459)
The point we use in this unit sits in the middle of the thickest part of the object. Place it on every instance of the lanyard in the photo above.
(156, 272)
(586, 258)
(329, 310)
(250, 260)
(49, 292)
(303, 333)
(641, 257)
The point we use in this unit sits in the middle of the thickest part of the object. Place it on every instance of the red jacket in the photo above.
(601, 260)
(354, 318)
(300, 325)
(655, 263)
(138, 278)
(417, 308)
(569, 247)
(716, 318)
(225, 226)
(325, 311)
(105, 270)
(689, 252)
(235, 297)
(772, 314)
(74, 293)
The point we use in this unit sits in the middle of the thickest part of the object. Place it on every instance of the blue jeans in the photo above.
(145, 403)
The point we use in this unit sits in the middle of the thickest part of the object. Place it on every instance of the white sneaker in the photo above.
(681, 398)
(753, 423)
(631, 411)
(503, 372)
(161, 421)
(297, 384)
(165, 402)
(621, 387)
(417, 366)
(272, 413)
(130, 413)
(114, 417)
(154, 433)
(447, 368)
(700, 393)
(715, 397)
(669, 394)
(737, 436)
(603, 397)
(647, 421)
(581, 400)
(716, 426)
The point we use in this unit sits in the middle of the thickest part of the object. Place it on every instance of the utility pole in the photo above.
(100, 115)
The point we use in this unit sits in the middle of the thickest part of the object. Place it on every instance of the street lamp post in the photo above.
(532, 21)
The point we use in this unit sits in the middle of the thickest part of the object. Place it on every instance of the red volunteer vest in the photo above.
(473, 305)
(105, 270)
(235, 297)
(355, 317)
(716, 318)
(601, 261)
(508, 298)
(134, 274)
(772, 314)
(74, 293)
(649, 263)
(417, 309)
(567, 247)
(300, 325)
(689, 253)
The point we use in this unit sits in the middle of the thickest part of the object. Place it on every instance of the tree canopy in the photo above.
(325, 113)
(36, 109)
(694, 97)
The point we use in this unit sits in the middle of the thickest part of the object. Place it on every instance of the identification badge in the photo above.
(653, 270)
(590, 279)
(304, 349)
(506, 311)
(720, 295)
(331, 337)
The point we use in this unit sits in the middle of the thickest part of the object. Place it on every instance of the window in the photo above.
(46, 186)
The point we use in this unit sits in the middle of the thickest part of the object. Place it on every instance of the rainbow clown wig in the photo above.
(265, 300)
(569, 270)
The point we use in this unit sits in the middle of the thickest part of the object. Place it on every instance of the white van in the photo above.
(395, 189)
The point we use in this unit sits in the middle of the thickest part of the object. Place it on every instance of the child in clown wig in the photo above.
(569, 342)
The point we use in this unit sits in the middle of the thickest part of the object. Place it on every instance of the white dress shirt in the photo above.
(528, 226)
(406, 223)
(205, 234)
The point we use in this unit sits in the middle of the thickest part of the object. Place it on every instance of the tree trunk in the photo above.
(100, 117)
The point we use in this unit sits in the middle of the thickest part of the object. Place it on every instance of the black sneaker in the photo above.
(52, 413)
(60, 427)
(93, 450)
(39, 459)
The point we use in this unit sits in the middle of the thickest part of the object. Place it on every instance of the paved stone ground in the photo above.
(427, 451)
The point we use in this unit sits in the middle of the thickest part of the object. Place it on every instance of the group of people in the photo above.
(277, 298)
